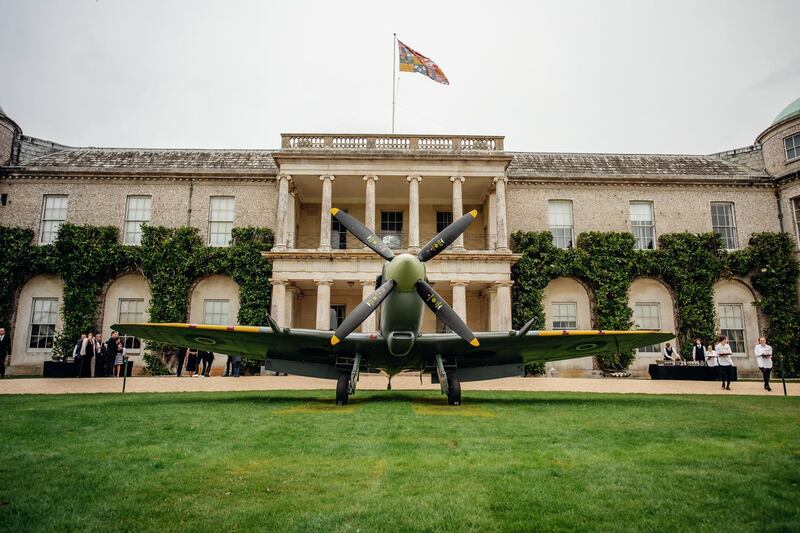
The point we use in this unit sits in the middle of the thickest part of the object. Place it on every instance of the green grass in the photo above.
(399, 461)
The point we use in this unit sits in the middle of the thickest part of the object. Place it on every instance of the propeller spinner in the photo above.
(405, 273)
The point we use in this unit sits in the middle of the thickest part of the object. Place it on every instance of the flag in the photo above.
(412, 61)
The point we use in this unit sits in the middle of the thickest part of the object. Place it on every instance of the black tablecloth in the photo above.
(60, 369)
(689, 373)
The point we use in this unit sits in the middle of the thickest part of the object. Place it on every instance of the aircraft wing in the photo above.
(510, 350)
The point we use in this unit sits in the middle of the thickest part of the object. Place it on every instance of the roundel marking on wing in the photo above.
(199, 339)
(586, 346)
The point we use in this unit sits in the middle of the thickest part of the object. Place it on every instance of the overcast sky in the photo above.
(637, 76)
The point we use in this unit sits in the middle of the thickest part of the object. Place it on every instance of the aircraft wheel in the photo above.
(454, 394)
(342, 384)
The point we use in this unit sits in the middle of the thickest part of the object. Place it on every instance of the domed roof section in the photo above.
(790, 111)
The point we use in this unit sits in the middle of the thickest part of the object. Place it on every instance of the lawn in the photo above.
(399, 461)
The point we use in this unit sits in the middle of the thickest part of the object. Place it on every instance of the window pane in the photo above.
(220, 220)
(647, 316)
(559, 215)
(723, 223)
(443, 219)
(43, 323)
(565, 315)
(792, 145)
(137, 213)
(215, 312)
(392, 228)
(131, 311)
(54, 213)
(731, 324)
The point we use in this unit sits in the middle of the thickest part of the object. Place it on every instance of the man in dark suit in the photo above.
(111, 353)
(181, 354)
(5, 351)
(78, 353)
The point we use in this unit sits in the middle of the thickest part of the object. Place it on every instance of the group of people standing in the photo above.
(195, 358)
(109, 356)
(719, 356)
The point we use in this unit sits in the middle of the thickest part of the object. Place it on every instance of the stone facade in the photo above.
(405, 187)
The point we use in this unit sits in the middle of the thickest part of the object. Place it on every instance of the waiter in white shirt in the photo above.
(764, 360)
(724, 352)
(712, 361)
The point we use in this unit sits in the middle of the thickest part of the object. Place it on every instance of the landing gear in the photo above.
(342, 389)
(453, 391)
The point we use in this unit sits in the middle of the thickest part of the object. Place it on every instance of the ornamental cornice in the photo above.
(638, 182)
(138, 176)
(369, 255)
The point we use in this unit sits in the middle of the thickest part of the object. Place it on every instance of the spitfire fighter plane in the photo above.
(402, 290)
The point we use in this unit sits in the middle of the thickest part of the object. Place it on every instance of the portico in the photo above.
(407, 189)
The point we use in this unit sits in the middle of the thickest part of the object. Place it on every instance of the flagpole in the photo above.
(394, 57)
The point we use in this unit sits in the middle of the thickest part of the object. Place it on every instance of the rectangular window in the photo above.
(559, 214)
(137, 212)
(131, 311)
(565, 315)
(338, 234)
(792, 146)
(220, 220)
(648, 316)
(392, 229)
(723, 222)
(796, 211)
(642, 225)
(54, 213)
(215, 312)
(443, 219)
(340, 310)
(731, 325)
(43, 323)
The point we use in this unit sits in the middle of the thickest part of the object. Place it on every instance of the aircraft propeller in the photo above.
(432, 299)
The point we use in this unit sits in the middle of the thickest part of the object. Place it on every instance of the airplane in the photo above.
(402, 290)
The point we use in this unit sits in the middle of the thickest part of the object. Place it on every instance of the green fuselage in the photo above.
(401, 311)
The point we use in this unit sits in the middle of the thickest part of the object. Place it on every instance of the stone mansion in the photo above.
(407, 188)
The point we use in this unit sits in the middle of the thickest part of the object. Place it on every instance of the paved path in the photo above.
(377, 382)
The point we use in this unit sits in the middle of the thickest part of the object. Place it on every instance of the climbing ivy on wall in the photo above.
(86, 258)
(689, 264)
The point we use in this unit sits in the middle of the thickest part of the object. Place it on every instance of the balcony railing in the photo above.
(369, 142)
(311, 242)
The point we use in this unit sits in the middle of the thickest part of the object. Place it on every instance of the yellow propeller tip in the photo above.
(334, 211)
(474, 213)
(475, 342)
(335, 340)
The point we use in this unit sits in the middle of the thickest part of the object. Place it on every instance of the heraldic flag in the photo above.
(412, 61)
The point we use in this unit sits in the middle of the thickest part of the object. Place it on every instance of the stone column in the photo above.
(502, 232)
(413, 213)
(292, 296)
(291, 220)
(490, 293)
(323, 303)
(325, 215)
(503, 304)
(458, 209)
(370, 324)
(369, 201)
(283, 206)
(491, 219)
(460, 298)
(278, 305)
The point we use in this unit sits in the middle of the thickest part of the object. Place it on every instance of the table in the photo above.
(688, 373)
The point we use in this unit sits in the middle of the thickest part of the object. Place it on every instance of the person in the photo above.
(77, 354)
(208, 359)
(228, 364)
(712, 361)
(193, 365)
(99, 356)
(111, 353)
(670, 353)
(181, 355)
(86, 363)
(764, 360)
(5, 352)
(724, 352)
(698, 352)
(237, 365)
(119, 358)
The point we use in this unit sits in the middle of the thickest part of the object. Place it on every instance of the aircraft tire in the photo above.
(342, 384)
(454, 394)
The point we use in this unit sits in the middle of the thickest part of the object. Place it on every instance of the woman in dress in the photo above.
(119, 359)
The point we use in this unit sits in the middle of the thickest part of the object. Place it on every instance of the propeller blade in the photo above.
(361, 312)
(363, 234)
(446, 237)
(445, 313)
